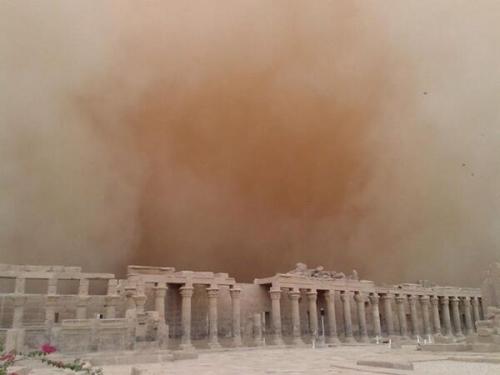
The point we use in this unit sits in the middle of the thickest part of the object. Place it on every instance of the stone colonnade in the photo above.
(426, 312)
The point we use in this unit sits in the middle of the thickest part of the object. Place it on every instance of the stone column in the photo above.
(312, 297)
(424, 302)
(213, 341)
(374, 301)
(475, 310)
(235, 302)
(257, 329)
(360, 301)
(435, 315)
(403, 326)
(187, 294)
(276, 314)
(83, 299)
(160, 293)
(294, 296)
(111, 299)
(332, 320)
(346, 301)
(413, 315)
(387, 299)
(469, 327)
(445, 302)
(457, 322)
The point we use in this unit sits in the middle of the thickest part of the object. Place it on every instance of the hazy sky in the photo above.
(245, 136)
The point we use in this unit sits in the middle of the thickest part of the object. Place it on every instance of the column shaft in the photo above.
(413, 315)
(332, 320)
(276, 315)
(235, 303)
(360, 301)
(457, 321)
(435, 315)
(187, 294)
(424, 302)
(403, 326)
(213, 341)
(469, 327)
(374, 300)
(445, 304)
(294, 296)
(312, 297)
(346, 300)
(475, 309)
(389, 320)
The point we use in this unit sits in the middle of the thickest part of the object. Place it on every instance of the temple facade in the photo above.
(161, 308)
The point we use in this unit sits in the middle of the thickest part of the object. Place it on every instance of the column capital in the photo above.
(235, 291)
(387, 296)
(445, 300)
(345, 295)
(330, 293)
(294, 294)
(454, 300)
(186, 291)
(400, 298)
(466, 299)
(374, 298)
(275, 293)
(412, 299)
(425, 299)
(475, 301)
(359, 297)
(435, 300)
(312, 295)
(212, 292)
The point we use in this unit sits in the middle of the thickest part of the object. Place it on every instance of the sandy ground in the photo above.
(339, 360)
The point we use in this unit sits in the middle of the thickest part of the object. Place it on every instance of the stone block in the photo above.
(392, 364)
(74, 336)
(19, 370)
(483, 331)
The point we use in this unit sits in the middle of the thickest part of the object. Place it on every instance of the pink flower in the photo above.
(47, 348)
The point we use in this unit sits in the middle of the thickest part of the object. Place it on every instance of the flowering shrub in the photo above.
(9, 359)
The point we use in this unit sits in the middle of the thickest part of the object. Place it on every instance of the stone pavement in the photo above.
(295, 361)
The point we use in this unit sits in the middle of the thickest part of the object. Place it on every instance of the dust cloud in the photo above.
(245, 136)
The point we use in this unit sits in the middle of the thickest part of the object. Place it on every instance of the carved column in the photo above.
(294, 296)
(475, 309)
(213, 341)
(457, 322)
(346, 301)
(360, 301)
(235, 293)
(435, 315)
(445, 303)
(403, 326)
(257, 329)
(187, 294)
(332, 320)
(275, 293)
(83, 299)
(312, 297)
(131, 309)
(469, 327)
(387, 299)
(413, 315)
(374, 301)
(424, 302)
(160, 293)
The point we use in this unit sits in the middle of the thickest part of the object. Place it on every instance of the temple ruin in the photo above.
(161, 308)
